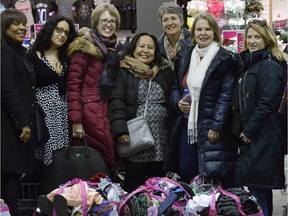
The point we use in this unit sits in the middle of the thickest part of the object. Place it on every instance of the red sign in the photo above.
(239, 41)
(28, 34)
(37, 28)
(280, 23)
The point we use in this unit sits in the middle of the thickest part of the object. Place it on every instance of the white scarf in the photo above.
(195, 78)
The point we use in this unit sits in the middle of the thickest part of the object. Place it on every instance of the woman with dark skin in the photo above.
(17, 107)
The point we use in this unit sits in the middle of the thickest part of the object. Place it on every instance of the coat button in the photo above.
(33, 87)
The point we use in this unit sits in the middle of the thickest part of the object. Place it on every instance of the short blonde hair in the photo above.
(213, 25)
(100, 9)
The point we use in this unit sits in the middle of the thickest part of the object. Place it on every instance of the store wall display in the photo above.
(127, 10)
(44, 9)
(26, 7)
(83, 9)
(65, 8)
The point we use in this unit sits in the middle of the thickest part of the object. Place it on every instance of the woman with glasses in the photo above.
(17, 107)
(93, 68)
(262, 79)
(48, 54)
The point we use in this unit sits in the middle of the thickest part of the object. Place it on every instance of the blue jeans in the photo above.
(264, 199)
(188, 156)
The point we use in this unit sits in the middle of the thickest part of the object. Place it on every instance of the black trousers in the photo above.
(10, 189)
(137, 173)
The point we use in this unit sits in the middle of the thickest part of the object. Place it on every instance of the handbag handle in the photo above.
(68, 151)
(146, 103)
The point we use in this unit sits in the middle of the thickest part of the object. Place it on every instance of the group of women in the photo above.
(85, 89)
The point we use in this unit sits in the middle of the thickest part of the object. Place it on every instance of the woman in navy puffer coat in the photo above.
(210, 151)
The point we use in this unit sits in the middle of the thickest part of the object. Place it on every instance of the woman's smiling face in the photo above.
(254, 40)
(204, 35)
(145, 50)
(107, 24)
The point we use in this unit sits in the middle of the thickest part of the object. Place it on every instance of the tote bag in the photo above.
(75, 162)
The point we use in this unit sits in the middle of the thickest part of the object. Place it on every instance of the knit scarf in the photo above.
(139, 69)
(171, 51)
(195, 78)
(109, 72)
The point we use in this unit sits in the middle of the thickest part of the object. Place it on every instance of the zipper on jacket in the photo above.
(243, 83)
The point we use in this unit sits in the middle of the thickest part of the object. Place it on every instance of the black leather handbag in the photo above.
(71, 162)
(42, 132)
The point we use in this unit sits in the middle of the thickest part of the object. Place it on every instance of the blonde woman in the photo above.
(262, 79)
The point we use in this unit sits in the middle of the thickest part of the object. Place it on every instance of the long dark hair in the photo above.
(8, 17)
(129, 50)
(43, 40)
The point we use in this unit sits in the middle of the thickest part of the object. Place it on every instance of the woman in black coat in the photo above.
(204, 140)
(142, 62)
(262, 80)
(17, 107)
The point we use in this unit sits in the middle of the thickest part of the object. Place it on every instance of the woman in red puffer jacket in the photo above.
(92, 70)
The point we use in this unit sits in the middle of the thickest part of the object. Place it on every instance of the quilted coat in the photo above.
(83, 95)
(261, 163)
(214, 112)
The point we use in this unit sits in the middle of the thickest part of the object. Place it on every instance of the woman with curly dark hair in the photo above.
(48, 54)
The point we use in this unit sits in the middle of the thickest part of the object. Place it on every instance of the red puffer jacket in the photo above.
(83, 95)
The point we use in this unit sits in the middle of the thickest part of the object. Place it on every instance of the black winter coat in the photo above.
(17, 109)
(179, 63)
(124, 98)
(261, 163)
(214, 112)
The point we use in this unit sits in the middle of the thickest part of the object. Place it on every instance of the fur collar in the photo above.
(84, 44)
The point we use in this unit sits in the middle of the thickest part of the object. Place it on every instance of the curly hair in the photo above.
(129, 50)
(43, 40)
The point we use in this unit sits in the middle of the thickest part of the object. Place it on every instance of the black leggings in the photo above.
(137, 173)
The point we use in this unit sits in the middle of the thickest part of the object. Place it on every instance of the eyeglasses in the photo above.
(106, 21)
(258, 21)
(61, 30)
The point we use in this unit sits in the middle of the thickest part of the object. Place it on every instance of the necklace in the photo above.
(54, 61)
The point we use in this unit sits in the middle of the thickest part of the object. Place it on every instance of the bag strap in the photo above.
(83, 193)
(236, 198)
(213, 203)
(146, 103)
(139, 189)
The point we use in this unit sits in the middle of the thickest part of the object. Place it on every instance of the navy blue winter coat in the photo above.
(261, 163)
(214, 112)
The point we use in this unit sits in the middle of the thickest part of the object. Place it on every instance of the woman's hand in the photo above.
(213, 136)
(244, 138)
(184, 106)
(77, 130)
(124, 139)
(25, 134)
